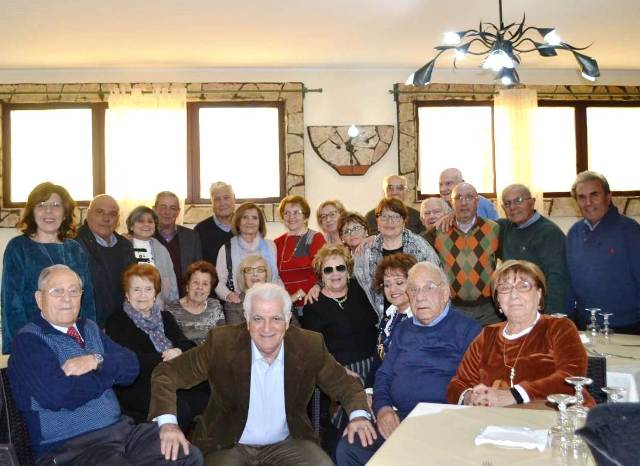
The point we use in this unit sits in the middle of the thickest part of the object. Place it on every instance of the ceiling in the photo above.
(45, 34)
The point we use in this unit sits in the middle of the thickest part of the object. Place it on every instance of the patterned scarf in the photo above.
(151, 325)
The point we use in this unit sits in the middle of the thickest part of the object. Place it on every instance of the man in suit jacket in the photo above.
(214, 231)
(262, 377)
(182, 243)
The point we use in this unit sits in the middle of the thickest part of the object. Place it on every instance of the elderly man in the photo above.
(214, 231)
(432, 209)
(109, 254)
(423, 357)
(469, 252)
(395, 186)
(262, 377)
(603, 257)
(527, 235)
(450, 178)
(182, 243)
(62, 371)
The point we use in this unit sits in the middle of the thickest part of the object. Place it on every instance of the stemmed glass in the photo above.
(593, 328)
(578, 413)
(562, 425)
(614, 394)
(606, 330)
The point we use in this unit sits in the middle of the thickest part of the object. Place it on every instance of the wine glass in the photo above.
(607, 331)
(614, 394)
(578, 413)
(579, 383)
(562, 400)
(593, 328)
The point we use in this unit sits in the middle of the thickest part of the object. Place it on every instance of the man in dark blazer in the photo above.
(182, 243)
(262, 377)
(214, 231)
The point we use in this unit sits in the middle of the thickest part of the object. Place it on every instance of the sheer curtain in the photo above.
(146, 145)
(515, 136)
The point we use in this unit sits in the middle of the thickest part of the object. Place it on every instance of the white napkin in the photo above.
(514, 437)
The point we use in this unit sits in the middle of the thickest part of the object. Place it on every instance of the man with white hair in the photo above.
(423, 357)
(395, 186)
(214, 231)
(262, 377)
(450, 178)
(432, 209)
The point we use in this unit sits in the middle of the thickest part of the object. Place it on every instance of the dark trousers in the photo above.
(354, 454)
(121, 444)
(289, 452)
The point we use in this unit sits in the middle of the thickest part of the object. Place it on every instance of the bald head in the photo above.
(431, 210)
(449, 178)
(464, 199)
(103, 215)
(394, 186)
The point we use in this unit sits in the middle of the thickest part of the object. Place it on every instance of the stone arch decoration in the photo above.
(350, 156)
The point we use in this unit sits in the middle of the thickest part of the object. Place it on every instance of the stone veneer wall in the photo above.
(406, 96)
(291, 93)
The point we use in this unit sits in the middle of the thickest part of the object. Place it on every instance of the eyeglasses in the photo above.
(522, 286)
(429, 287)
(48, 205)
(258, 269)
(467, 198)
(333, 214)
(396, 187)
(353, 230)
(387, 218)
(514, 202)
(292, 213)
(338, 268)
(58, 292)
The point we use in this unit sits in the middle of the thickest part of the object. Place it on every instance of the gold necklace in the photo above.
(512, 372)
(284, 247)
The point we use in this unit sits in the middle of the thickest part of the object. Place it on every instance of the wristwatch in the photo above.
(99, 360)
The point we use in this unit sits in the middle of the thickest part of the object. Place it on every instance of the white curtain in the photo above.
(514, 128)
(146, 145)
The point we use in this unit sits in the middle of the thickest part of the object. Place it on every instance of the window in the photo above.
(58, 143)
(240, 143)
(455, 136)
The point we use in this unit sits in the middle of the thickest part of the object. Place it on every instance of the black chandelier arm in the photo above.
(564, 45)
(536, 46)
(518, 34)
(488, 47)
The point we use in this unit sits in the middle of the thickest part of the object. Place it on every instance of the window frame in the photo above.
(453, 103)
(98, 145)
(193, 148)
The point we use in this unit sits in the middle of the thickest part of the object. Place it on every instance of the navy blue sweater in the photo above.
(604, 268)
(421, 362)
(57, 407)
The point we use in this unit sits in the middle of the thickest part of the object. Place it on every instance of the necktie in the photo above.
(73, 333)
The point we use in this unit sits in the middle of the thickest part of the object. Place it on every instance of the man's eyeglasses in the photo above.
(258, 269)
(338, 268)
(467, 198)
(522, 286)
(429, 287)
(514, 202)
(396, 187)
(58, 292)
(352, 231)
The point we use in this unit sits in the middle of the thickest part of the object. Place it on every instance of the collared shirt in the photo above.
(466, 227)
(534, 218)
(267, 416)
(58, 327)
(107, 244)
(223, 226)
(170, 236)
(588, 224)
(435, 321)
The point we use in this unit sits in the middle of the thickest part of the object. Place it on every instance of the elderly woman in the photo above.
(296, 248)
(196, 312)
(353, 229)
(47, 226)
(155, 336)
(391, 217)
(252, 270)
(391, 278)
(327, 214)
(141, 225)
(525, 358)
(342, 312)
(249, 228)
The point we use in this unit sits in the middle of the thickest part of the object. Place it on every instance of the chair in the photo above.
(14, 437)
(597, 371)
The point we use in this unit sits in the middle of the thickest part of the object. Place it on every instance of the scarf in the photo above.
(151, 325)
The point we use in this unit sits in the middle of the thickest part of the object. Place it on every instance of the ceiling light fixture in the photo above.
(502, 47)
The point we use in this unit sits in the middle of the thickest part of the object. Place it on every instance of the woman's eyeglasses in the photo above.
(258, 269)
(521, 287)
(338, 268)
(353, 230)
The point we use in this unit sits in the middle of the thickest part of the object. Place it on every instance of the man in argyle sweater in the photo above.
(468, 252)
